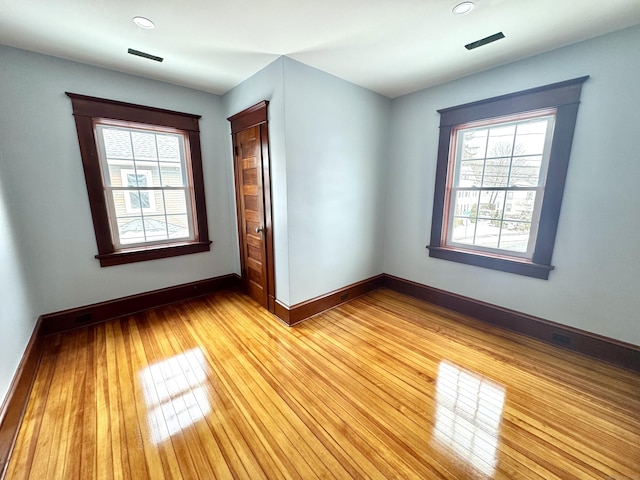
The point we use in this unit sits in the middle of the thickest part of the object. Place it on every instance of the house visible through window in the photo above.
(144, 179)
(500, 177)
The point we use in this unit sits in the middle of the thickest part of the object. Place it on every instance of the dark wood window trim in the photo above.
(85, 110)
(565, 98)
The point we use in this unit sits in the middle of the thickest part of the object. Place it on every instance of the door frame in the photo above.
(256, 116)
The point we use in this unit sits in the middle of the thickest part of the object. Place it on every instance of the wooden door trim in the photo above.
(256, 115)
(266, 188)
(250, 117)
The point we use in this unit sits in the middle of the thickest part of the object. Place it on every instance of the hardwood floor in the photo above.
(385, 386)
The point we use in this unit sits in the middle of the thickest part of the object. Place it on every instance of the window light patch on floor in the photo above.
(175, 394)
(468, 413)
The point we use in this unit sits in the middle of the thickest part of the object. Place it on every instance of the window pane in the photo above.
(496, 172)
(152, 172)
(474, 143)
(168, 148)
(465, 205)
(144, 145)
(470, 173)
(520, 206)
(117, 143)
(172, 175)
(155, 228)
(175, 201)
(116, 167)
(534, 127)
(491, 203)
(501, 141)
(119, 203)
(157, 202)
(487, 233)
(530, 138)
(136, 179)
(463, 230)
(515, 236)
(525, 172)
(130, 230)
(139, 200)
(178, 226)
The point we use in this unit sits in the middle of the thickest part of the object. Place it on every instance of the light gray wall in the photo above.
(17, 310)
(595, 284)
(337, 139)
(268, 84)
(328, 141)
(43, 172)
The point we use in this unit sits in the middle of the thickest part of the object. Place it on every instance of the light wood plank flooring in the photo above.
(385, 386)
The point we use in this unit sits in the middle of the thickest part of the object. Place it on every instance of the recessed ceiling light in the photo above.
(463, 8)
(144, 22)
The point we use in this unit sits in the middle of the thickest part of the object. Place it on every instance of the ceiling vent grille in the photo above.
(144, 55)
(484, 41)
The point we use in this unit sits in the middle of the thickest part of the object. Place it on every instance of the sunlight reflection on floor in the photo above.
(468, 415)
(174, 393)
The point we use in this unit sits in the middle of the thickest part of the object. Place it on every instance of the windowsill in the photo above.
(141, 254)
(515, 265)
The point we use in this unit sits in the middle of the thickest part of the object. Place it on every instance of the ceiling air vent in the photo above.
(144, 55)
(484, 41)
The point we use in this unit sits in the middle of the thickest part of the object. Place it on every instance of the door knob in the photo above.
(260, 229)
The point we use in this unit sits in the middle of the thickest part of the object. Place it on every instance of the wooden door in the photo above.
(253, 202)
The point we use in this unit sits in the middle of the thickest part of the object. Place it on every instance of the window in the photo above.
(504, 159)
(144, 178)
(501, 171)
(144, 172)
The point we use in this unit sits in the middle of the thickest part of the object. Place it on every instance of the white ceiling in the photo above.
(389, 46)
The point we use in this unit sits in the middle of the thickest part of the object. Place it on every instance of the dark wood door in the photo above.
(253, 201)
(250, 185)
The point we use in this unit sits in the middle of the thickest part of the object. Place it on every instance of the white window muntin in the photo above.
(454, 180)
(187, 188)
